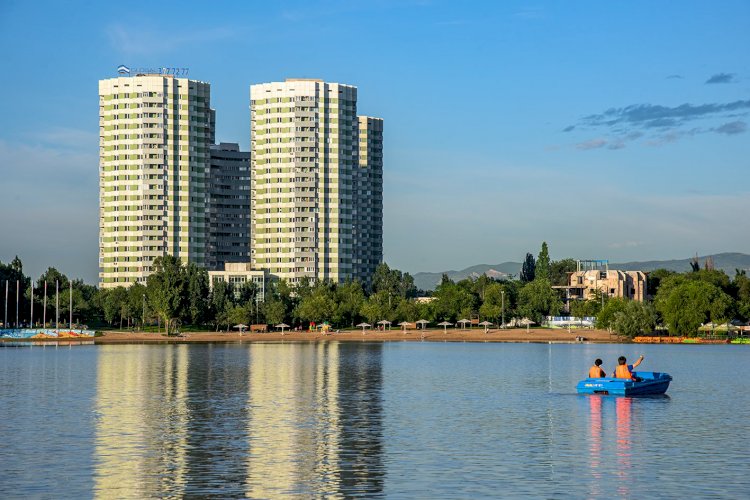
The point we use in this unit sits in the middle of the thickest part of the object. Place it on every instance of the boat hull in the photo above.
(651, 383)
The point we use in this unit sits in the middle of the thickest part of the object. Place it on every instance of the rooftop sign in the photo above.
(123, 70)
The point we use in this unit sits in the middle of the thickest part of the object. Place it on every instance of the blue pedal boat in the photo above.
(650, 383)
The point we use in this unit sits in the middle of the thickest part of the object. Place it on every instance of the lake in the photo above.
(397, 420)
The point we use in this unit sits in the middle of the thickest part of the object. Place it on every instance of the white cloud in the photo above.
(143, 40)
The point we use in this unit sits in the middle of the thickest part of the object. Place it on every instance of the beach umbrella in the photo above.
(423, 322)
(445, 325)
(363, 326)
(404, 325)
(486, 325)
(385, 322)
(241, 327)
(282, 326)
(527, 322)
(463, 322)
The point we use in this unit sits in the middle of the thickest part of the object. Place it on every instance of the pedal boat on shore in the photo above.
(650, 383)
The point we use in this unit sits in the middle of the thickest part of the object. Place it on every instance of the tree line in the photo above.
(178, 293)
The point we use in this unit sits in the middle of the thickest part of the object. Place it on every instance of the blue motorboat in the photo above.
(648, 383)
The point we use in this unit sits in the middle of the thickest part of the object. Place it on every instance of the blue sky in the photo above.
(610, 130)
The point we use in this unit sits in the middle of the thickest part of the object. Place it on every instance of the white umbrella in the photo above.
(486, 325)
(422, 322)
(385, 322)
(404, 325)
(463, 322)
(363, 326)
(282, 326)
(241, 327)
(445, 325)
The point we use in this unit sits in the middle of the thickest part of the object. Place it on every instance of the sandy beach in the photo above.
(395, 335)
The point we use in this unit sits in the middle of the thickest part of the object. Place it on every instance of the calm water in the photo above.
(420, 420)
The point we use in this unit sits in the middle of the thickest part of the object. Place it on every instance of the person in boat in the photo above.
(596, 370)
(624, 370)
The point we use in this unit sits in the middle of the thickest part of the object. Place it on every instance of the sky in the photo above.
(611, 130)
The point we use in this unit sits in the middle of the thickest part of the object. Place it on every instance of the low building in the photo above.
(589, 284)
(239, 273)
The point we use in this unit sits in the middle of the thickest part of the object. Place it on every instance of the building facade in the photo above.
(586, 285)
(154, 135)
(367, 220)
(229, 206)
(304, 140)
(239, 273)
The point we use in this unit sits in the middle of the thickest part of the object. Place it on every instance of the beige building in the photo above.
(238, 274)
(305, 170)
(585, 285)
(155, 132)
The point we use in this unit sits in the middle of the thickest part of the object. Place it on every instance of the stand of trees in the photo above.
(178, 293)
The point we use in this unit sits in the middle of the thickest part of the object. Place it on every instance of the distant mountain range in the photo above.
(725, 261)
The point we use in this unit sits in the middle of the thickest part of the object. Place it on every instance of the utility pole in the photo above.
(31, 319)
(44, 309)
(5, 322)
(18, 300)
(57, 306)
(70, 322)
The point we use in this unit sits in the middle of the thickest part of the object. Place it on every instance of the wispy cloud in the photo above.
(675, 77)
(732, 128)
(145, 40)
(659, 124)
(591, 144)
(721, 78)
(656, 116)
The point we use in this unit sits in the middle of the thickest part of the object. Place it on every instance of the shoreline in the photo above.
(534, 335)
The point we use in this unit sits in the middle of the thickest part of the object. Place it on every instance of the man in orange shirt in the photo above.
(625, 370)
(596, 370)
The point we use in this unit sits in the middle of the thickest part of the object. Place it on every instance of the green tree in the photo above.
(274, 311)
(560, 270)
(528, 269)
(537, 299)
(319, 305)
(221, 300)
(585, 308)
(492, 305)
(742, 287)
(237, 315)
(349, 299)
(542, 270)
(691, 303)
(407, 310)
(635, 319)
(655, 279)
(166, 289)
(606, 316)
(197, 300)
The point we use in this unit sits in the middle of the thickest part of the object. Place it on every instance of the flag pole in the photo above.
(57, 306)
(44, 309)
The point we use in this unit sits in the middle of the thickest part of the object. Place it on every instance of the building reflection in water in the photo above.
(262, 420)
(315, 420)
(141, 430)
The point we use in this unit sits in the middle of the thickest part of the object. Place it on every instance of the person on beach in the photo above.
(625, 370)
(596, 370)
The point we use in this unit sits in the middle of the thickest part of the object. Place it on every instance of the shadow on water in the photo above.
(263, 420)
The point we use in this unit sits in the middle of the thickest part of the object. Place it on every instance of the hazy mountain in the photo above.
(725, 261)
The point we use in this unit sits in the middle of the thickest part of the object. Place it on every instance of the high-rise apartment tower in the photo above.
(229, 206)
(305, 167)
(155, 133)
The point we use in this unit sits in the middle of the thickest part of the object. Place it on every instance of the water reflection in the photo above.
(262, 420)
